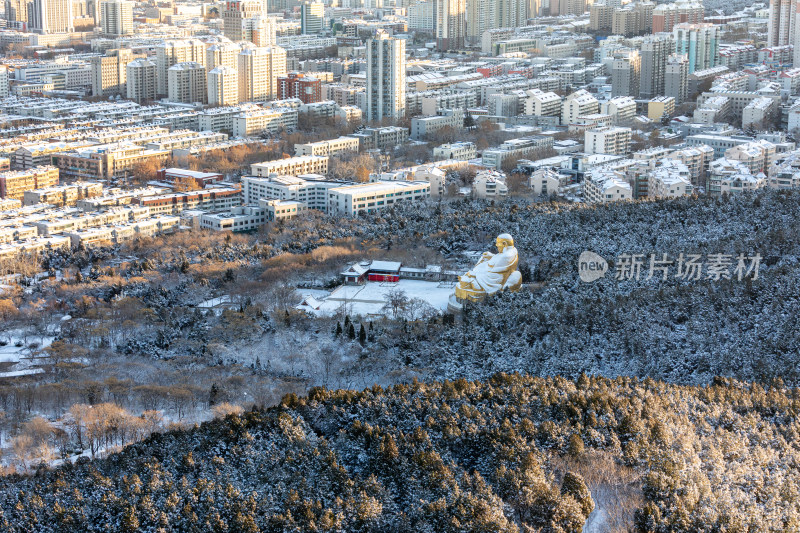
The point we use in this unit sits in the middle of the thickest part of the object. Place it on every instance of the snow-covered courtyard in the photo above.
(371, 298)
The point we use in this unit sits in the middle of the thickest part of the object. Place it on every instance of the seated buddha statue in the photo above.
(494, 272)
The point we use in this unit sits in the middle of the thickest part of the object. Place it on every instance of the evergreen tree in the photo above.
(351, 331)
(213, 395)
(338, 332)
(362, 334)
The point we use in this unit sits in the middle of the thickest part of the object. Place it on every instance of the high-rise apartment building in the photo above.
(116, 17)
(141, 80)
(50, 16)
(386, 77)
(259, 70)
(109, 72)
(654, 53)
(234, 15)
(626, 73)
(781, 26)
(312, 15)
(667, 16)
(451, 24)
(222, 54)
(223, 86)
(676, 78)
(171, 53)
(483, 15)
(187, 83)
(699, 42)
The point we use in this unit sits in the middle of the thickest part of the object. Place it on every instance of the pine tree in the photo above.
(351, 331)
(213, 395)
(362, 335)
(338, 332)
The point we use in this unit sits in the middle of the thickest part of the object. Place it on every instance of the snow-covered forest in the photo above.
(509, 454)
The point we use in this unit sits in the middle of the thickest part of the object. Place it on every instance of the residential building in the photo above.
(223, 86)
(514, 149)
(603, 186)
(489, 184)
(577, 104)
(660, 107)
(542, 104)
(235, 14)
(259, 70)
(451, 24)
(307, 89)
(676, 78)
(699, 42)
(170, 53)
(258, 121)
(140, 77)
(422, 127)
(386, 77)
(609, 140)
(667, 16)
(50, 16)
(187, 83)
(109, 72)
(462, 151)
(14, 183)
(329, 147)
(671, 179)
(654, 53)
(352, 200)
(116, 17)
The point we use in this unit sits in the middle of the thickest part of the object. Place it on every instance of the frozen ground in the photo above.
(369, 299)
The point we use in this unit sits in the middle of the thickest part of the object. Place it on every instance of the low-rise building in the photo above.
(463, 151)
(670, 180)
(609, 140)
(247, 217)
(292, 166)
(660, 107)
(489, 184)
(14, 183)
(515, 149)
(329, 147)
(603, 186)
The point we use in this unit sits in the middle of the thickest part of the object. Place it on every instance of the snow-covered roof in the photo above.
(385, 266)
(355, 269)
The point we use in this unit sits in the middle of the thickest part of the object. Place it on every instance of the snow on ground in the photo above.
(17, 373)
(369, 299)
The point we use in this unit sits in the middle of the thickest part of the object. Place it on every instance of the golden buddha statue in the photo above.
(493, 273)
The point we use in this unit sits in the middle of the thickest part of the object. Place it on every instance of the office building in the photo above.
(312, 16)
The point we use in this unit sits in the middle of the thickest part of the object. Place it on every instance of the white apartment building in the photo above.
(463, 151)
(489, 184)
(727, 176)
(223, 54)
(757, 156)
(259, 70)
(292, 166)
(170, 53)
(609, 140)
(602, 186)
(697, 159)
(223, 86)
(621, 108)
(386, 77)
(522, 147)
(116, 17)
(141, 80)
(542, 104)
(421, 127)
(578, 104)
(670, 180)
(329, 147)
(253, 122)
(187, 83)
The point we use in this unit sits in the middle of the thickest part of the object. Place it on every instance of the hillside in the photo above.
(510, 454)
